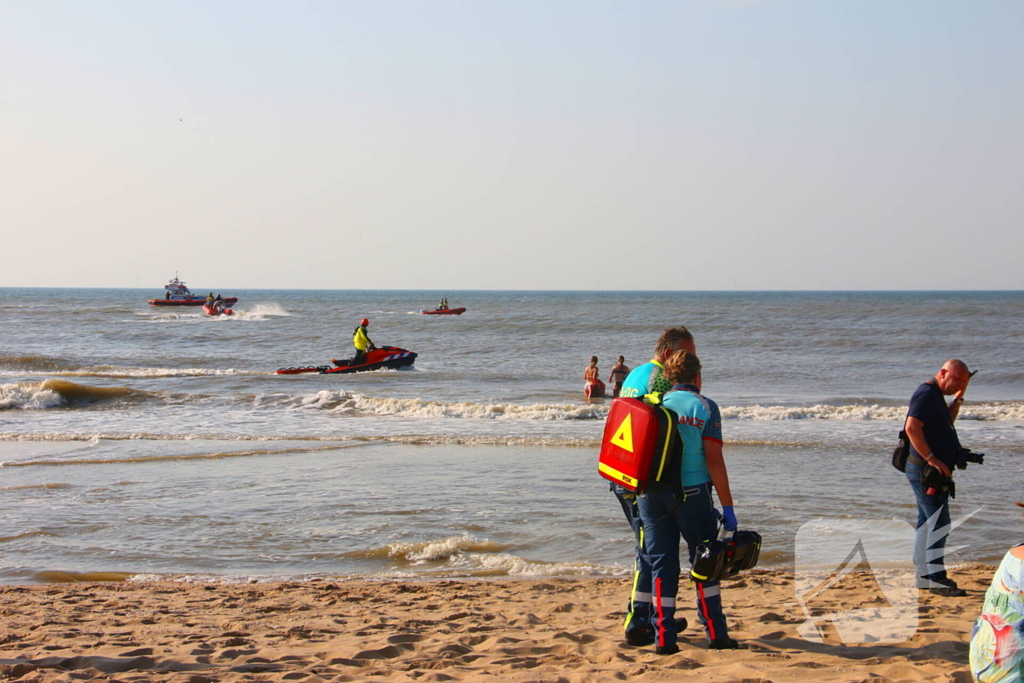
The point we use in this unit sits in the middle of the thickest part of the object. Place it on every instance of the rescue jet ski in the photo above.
(390, 357)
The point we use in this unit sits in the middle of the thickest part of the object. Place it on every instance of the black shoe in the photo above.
(645, 636)
(726, 643)
(640, 637)
(667, 650)
(947, 588)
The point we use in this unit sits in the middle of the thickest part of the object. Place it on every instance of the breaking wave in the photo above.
(265, 310)
(56, 393)
(339, 401)
(34, 363)
(1008, 411)
(430, 551)
(45, 365)
(344, 402)
(467, 556)
(126, 372)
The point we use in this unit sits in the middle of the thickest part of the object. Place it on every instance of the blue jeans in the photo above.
(638, 614)
(667, 515)
(930, 542)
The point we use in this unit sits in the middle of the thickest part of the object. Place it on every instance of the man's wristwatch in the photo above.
(958, 400)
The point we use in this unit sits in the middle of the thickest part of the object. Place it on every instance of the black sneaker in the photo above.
(667, 650)
(723, 644)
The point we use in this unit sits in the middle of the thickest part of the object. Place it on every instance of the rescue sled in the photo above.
(382, 357)
(594, 389)
(445, 311)
(213, 309)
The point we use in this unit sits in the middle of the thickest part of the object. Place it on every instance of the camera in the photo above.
(966, 456)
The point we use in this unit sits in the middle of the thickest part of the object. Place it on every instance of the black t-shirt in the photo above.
(929, 406)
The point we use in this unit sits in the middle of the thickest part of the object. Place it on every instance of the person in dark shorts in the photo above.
(618, 375)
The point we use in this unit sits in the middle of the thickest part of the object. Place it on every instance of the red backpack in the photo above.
(641, 445)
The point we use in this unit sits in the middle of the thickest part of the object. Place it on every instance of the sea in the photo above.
(141, 443)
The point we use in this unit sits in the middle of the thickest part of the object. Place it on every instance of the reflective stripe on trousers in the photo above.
(667, 516)
(638, 612)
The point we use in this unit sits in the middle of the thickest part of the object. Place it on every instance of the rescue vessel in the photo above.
(177, 294)
(211, 308)
(445, 311)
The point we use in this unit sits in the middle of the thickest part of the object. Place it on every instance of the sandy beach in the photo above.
(451, 630)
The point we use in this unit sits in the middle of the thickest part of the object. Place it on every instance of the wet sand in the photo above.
(451, 630)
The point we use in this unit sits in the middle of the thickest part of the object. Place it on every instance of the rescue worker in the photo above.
(209, 298)
(688, 510)
(644, 380)
(362, 342)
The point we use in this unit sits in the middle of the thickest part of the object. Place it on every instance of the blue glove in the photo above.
(729, 523)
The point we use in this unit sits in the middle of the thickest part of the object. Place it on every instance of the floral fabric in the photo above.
(997, 640)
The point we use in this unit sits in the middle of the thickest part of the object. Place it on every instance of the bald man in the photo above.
(933, 441)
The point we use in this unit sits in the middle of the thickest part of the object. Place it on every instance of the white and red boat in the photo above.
(177, 294)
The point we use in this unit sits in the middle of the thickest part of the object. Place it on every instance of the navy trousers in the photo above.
(638, 613)
(668, 515)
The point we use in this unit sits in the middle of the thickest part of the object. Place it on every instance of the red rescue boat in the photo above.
(445, 311)
(211, 308)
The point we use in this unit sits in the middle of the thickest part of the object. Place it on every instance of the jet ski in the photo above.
(390, 357)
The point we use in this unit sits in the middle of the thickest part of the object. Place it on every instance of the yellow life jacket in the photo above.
(360, 340)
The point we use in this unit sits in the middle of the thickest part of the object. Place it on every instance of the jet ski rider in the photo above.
(362, 342)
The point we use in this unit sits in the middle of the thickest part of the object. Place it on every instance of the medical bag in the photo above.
(641, 446)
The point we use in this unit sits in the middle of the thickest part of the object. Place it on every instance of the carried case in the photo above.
(722, 558)
(641, 444)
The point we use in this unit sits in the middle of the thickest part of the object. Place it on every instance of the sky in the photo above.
(535, 144)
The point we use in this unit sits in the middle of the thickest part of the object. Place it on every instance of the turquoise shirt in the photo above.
(699, 419)
(643, 380)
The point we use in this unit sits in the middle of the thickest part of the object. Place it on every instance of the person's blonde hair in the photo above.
(682, 367)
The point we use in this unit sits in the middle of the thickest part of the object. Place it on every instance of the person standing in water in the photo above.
(618, 375)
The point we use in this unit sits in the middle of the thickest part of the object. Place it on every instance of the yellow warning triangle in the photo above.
(624, 434)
